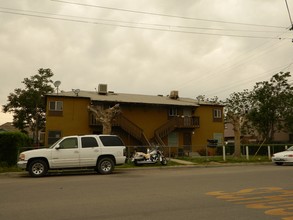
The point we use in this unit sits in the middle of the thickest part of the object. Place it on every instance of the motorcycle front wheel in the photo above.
(136, 164)
(164, 161)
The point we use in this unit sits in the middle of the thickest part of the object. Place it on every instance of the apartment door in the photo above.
(187, 141)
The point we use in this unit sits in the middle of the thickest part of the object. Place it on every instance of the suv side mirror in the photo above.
(57, 147)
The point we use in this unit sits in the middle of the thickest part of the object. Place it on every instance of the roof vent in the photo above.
(174, 95)
(102, 89)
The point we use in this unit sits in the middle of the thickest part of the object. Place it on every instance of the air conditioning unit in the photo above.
(102, 89)
(174, 95)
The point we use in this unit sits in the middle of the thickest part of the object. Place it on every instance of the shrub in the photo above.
(11, 144)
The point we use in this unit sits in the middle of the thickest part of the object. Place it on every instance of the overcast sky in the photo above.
(198, 47)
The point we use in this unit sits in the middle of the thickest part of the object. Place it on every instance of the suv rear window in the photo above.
(111, 141)
(89, 142)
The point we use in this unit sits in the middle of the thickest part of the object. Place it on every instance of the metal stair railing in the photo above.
(131, 128)
(172, 124)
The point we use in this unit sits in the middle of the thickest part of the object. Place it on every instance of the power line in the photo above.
(242, 61)
(205, 75)
(93, 22)
(166, 15)
(139, 27)
(252, 79)
(210, 74)
(289, 15)
(143, 23)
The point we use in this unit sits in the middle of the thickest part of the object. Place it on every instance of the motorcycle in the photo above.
(151, 157)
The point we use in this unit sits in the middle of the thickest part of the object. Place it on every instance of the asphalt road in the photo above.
(239, 192)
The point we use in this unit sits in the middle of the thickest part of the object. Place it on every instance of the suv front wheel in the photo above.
(38, 168)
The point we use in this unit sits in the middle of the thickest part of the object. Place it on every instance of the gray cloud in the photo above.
(144, 61)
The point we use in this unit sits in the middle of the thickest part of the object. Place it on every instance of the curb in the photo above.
(196, 166)
(190, 165)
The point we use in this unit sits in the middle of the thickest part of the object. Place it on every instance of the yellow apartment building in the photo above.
(173, 121)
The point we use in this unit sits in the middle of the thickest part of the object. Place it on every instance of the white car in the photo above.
(283, 157)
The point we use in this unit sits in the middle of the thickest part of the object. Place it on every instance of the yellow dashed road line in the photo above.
(276, 201)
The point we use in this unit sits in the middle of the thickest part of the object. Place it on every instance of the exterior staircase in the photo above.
(165, 129)
(172, 124)
(131, 129)
(126, 125)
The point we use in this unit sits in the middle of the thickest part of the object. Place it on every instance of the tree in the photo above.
(28, 104)
(105, 116)
(272, 105)
(236, 109)
(288, 114)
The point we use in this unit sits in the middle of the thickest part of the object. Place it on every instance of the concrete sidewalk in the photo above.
(215, 164)
(183, 162)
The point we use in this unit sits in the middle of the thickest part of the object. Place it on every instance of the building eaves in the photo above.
(130, 98)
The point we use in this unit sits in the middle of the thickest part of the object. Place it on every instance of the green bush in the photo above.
(11, 144)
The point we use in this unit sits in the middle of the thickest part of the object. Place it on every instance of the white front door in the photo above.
(66, 154)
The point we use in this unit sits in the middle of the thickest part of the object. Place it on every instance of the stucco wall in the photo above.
(209, 129)
(74, 119)
(147, 118)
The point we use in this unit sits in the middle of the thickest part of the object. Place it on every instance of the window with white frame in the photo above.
(56, 106)
(217, 113)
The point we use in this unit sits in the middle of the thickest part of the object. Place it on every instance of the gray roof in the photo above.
(8, 126)
(130, 98)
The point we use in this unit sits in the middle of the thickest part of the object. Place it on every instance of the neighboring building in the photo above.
(165, 120)
(280, 137)
(8, 127)
(229, 136)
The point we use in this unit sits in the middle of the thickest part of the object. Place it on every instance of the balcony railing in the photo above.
(176, 122)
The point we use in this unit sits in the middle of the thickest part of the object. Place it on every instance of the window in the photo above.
(173, 140)
(217, 115)
(53, 136)
(56, 106)
(173, 112)
(111, 141)
(68, 143)
(89, 142)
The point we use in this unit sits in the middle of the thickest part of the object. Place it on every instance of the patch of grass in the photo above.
(130, 164)
(6, 169)
(229, 159)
